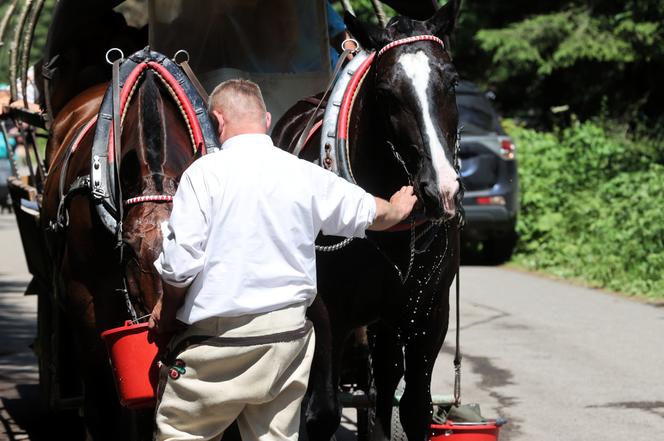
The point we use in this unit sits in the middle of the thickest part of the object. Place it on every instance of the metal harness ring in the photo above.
(350, 40)
(181, 52)
(112, 50)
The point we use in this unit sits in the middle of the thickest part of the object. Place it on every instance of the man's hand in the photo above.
(397, 209)
(162, 320)
(404, 200)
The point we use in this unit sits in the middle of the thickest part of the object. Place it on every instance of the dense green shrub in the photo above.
(592, 207)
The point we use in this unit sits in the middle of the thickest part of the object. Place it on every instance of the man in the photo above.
(239, 266)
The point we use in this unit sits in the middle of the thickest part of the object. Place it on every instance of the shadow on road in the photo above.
(24, 418)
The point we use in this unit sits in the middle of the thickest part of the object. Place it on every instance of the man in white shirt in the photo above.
(238, 266)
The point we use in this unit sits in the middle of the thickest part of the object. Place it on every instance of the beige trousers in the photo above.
(261, 386)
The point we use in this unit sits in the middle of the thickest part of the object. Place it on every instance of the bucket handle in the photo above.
(137, 320)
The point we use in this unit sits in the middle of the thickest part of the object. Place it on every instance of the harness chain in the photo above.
(335, 247)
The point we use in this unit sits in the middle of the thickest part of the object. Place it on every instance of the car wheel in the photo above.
(499, 249)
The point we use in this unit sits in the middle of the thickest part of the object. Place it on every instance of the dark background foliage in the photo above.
(580, 83)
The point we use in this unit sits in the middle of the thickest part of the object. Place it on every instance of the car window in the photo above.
(476, 115)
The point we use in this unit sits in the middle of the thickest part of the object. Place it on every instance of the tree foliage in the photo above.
(41, 31)
(591, 207)
(582, 53)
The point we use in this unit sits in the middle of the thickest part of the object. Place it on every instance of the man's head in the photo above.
(238, 107)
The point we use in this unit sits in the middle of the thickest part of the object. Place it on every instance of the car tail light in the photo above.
(490, 200)
(507, 149)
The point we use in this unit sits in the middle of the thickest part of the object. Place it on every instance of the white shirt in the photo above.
(243, 226)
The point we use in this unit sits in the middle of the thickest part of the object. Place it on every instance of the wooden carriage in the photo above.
(289, 58)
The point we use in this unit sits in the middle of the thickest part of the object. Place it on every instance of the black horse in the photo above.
(403, 128)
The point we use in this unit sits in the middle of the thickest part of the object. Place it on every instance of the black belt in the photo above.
(195, 340)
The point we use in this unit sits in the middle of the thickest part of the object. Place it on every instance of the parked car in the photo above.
(489, 175)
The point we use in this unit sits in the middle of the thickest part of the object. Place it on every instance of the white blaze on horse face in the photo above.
(416, 67)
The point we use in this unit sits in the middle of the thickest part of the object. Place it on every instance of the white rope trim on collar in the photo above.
(149, 198)
(407, 40)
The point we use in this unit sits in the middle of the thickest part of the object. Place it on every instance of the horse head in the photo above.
(414, 83)
(156, 149)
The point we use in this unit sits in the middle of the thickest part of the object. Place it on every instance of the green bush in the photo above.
(592, 207)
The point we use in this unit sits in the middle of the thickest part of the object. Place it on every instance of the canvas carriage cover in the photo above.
(280, 44)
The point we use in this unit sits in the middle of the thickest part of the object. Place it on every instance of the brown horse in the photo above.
(88, 266)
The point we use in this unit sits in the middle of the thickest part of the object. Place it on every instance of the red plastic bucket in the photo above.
(450, 431)
(134, 360)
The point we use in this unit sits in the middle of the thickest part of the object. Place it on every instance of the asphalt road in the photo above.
(560, 362)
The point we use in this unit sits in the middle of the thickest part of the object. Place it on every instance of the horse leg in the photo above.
(421, 350)
(322, 410)
(387, 367)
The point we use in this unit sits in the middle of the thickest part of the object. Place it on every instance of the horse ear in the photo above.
(443, 22)
(369, 36)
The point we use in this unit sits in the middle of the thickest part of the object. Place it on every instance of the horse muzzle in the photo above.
(440, 203)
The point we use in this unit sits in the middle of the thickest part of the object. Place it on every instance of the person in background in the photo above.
(337, 32)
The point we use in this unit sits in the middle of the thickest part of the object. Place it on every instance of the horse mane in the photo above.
(150, 119)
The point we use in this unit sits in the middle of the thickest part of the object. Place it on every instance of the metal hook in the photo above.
(112, 50)
(181, 51)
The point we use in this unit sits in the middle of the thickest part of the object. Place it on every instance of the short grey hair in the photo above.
(239, 99)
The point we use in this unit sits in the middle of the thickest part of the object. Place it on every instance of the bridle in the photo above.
(337, 158)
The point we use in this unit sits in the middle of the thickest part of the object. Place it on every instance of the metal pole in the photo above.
(380, 12)
(5, 21)
(13, 64)
(28, 159)
(40, 165)
(10, 149)
(27, 45)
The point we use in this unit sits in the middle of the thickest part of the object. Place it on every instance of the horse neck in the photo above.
(155, 131)
(374, 166)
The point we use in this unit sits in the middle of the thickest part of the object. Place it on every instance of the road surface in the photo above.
(560, 362)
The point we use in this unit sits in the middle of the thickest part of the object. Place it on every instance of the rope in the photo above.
(149, 198)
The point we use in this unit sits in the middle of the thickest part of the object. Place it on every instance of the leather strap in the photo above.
(117, 130)
(457, 352)
(194, 81)
(196, 340)
(307, 129)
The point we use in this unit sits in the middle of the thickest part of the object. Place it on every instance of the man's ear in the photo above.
(444, 21)
(368, 35)
(219, 122)
(268, 121)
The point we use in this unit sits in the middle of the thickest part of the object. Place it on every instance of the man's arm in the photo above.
(183, 253)
(397, 209)
(163, 315)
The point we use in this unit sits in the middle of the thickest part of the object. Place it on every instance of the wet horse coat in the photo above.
(403, 128)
